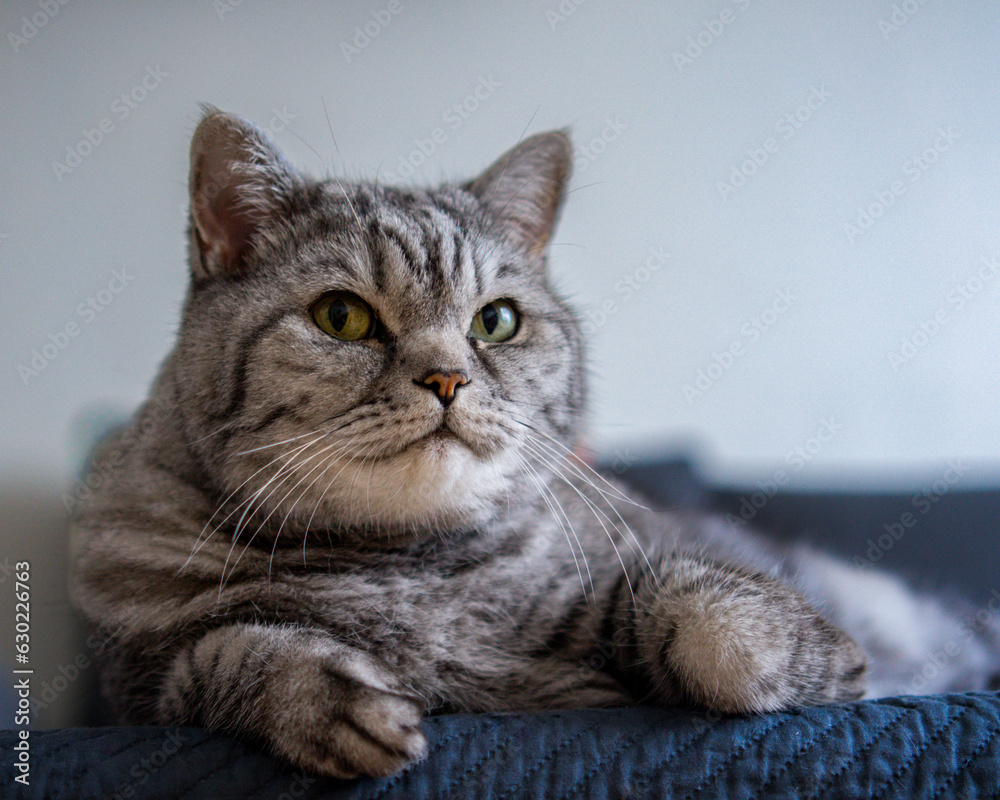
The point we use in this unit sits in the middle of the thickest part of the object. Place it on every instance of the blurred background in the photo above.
(782, 234)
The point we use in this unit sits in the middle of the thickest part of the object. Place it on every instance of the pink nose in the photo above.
(445, 384)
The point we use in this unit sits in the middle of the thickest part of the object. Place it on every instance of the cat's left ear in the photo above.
(239, 181)
(524, 189)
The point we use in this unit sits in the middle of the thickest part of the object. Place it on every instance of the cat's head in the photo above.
(354, 356)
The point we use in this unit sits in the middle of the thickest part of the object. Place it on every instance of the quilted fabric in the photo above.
(910, 747)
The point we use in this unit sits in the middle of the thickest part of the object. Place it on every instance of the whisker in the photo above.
(573, 462)
(291, 469)
(286, 471)
(321, 467)
(221, 428)
(597, 515)
(282, 501)
(199, 543)
(576, 460)
(278, 444)
(546, 494)
(352, 457)
(336, 147)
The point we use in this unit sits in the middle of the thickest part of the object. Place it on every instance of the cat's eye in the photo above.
(344, 316)
(494, 322)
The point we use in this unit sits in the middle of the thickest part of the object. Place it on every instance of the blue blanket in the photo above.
(909, 747)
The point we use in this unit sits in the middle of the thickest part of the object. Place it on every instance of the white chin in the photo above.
(437, 482)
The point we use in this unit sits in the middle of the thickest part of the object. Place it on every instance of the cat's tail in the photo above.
(917, 643)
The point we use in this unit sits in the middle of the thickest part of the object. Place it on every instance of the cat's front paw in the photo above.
(340, 714)
(756, 648)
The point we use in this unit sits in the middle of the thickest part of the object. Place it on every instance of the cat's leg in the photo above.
(737, 641)
(323, 705)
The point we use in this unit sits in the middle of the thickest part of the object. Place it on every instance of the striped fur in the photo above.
(307, 547)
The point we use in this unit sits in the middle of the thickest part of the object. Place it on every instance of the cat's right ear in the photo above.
(524, 188)
(238, 183)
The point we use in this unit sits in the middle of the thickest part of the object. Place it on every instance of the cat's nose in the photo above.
(445, 384)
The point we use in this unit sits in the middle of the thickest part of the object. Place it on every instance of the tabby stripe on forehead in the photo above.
(476, 270)
(244, 351)
(376, 254)
(456, 257)
(435, 264)
(426, 235)
(453, 213)
(363, 204)
(409, 256)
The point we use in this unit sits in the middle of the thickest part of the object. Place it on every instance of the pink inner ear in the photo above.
(224, 223)
(238, 181)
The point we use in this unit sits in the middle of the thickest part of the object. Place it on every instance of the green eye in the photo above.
(495, 322)
(344, 316)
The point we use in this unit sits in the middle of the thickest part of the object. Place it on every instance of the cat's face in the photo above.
(369, 358)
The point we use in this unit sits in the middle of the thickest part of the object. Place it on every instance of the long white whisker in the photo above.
(199, 542)
(351, 458)
(291, 471)
(546, 493)
(571, 464)
(278, 444)
(216, 432)
(321, 466)
(555, 462)
(579, 462)
(319, 500)
(611, 539)
(284, 472)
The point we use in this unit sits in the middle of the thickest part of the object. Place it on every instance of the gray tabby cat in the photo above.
(351, 499)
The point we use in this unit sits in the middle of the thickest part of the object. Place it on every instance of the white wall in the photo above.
(882, 82)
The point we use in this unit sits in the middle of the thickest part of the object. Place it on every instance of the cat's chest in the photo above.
(478, 594)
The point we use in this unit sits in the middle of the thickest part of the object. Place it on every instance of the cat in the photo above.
(352, 498)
